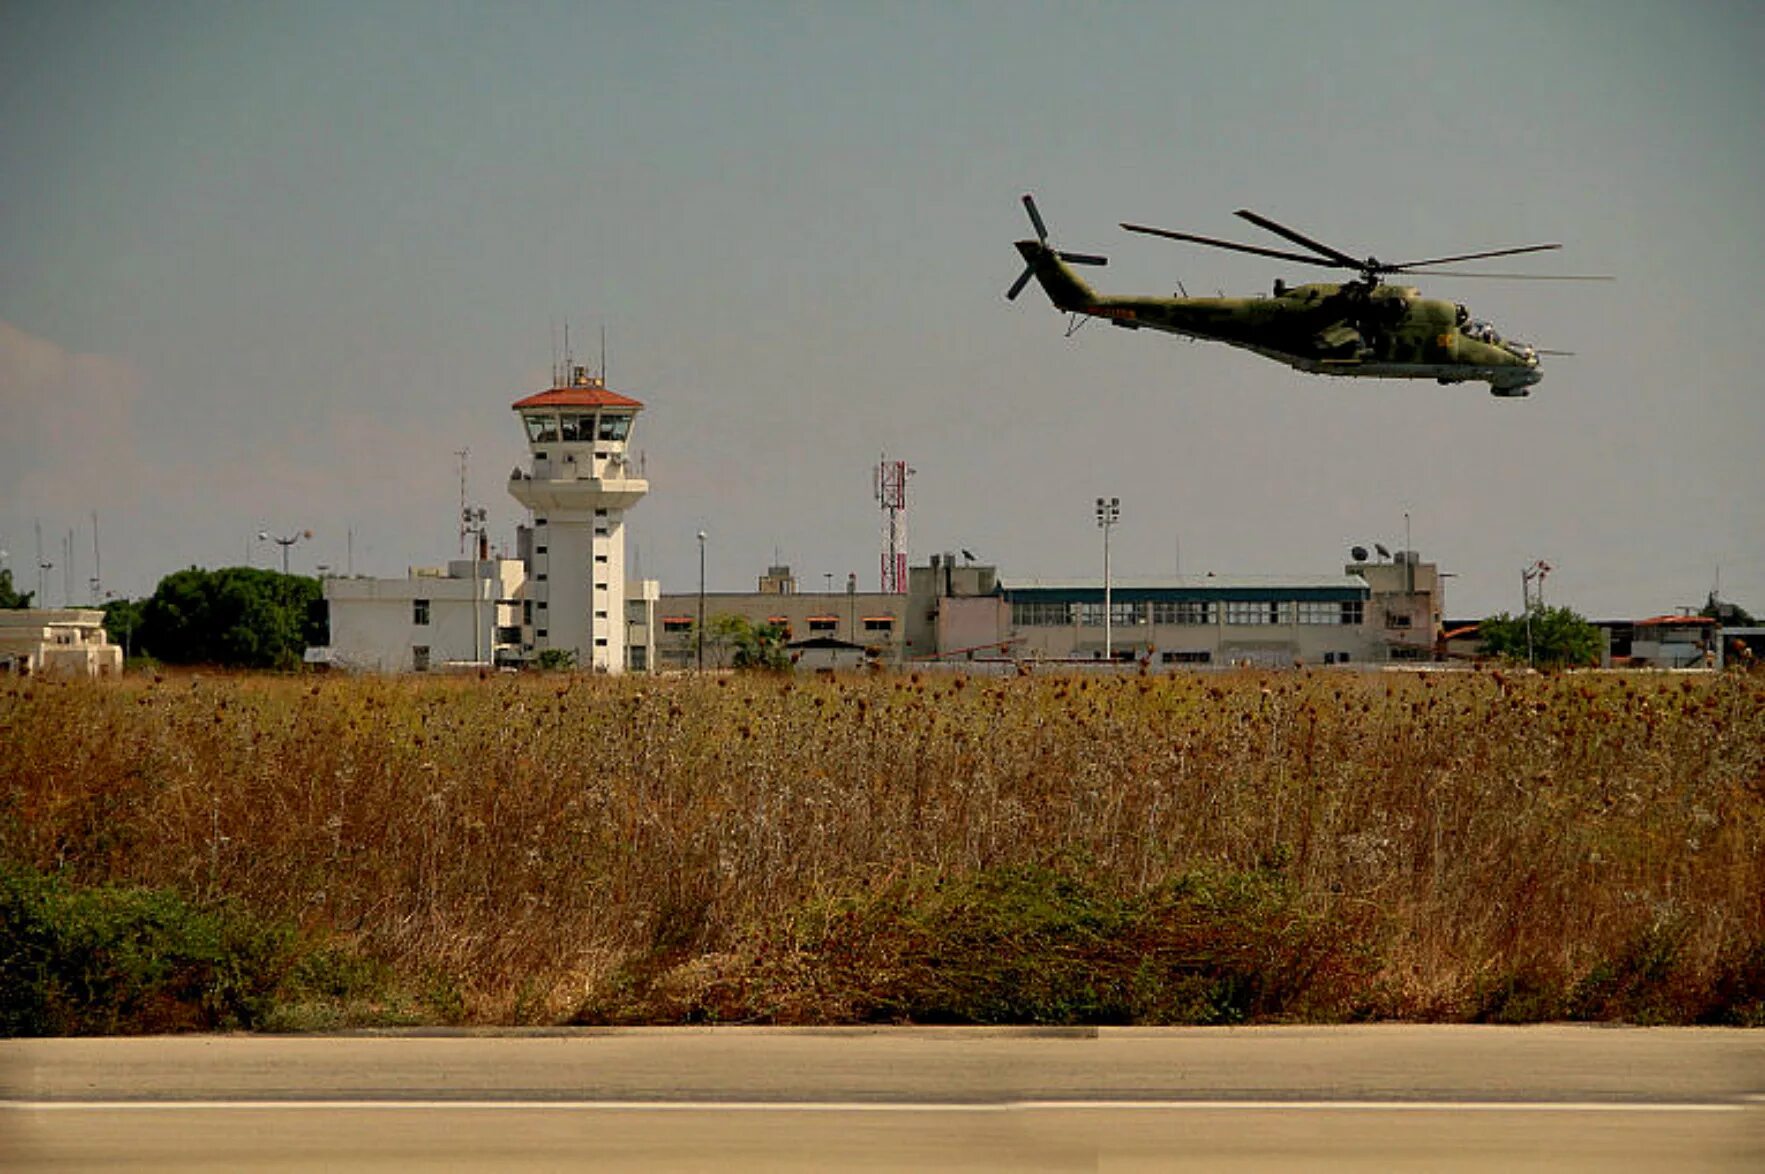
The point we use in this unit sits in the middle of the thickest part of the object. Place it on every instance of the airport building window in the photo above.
(823, 623)
(1188, 657)
(1040, 613)
(1251, 612)
(1329, 612)
(1183, 611)
(677, 624)
(879, 623)
(420, 658)
(419, 611)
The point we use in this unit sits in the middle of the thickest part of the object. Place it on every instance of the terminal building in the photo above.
(1372, 613)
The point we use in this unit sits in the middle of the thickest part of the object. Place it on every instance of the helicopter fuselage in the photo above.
(1358, 329)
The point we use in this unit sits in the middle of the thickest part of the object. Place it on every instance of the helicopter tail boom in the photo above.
(1064, 287)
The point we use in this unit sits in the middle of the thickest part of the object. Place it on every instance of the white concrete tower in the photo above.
(578, 487)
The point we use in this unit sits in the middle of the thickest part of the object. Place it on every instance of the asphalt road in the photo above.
(1369, 1098)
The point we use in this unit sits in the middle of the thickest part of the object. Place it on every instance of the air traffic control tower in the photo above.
(578, 486)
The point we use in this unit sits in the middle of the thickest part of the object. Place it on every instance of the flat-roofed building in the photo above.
(968, 613)
(873, 621)
(67, 641)
(468, 613)
(1265, 620)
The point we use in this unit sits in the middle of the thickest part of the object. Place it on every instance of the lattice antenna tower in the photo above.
(890, 482)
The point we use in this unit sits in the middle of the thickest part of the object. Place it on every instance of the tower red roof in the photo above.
(589, 393)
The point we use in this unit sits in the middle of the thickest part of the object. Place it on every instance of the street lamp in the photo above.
(472, 528)
(1109, 512)
(699, 631)
(284, 543)
(1534, 573)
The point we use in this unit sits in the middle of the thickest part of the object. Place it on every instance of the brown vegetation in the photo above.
(1186, 848)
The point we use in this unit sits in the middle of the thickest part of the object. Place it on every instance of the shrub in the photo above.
(120, 960)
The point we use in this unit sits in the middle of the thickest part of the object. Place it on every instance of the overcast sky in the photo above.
(267, 266)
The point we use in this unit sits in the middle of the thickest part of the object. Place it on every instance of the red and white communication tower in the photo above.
(891, 494)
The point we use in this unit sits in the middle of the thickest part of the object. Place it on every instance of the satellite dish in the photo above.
(1358, 554)
(1383, 553)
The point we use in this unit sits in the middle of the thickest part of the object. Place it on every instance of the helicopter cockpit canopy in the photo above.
(1482, 331)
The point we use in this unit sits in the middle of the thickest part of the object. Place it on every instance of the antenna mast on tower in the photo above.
(465, 525)
(890, 482)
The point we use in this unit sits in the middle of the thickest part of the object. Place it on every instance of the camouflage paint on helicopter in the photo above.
(1363, 328)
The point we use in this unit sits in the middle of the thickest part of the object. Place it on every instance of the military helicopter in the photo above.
(1362, 327)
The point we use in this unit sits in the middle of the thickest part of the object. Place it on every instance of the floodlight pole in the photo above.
(699, 631)
(1109, 511)
(284, 543)
(1537, 571)
(472, 530)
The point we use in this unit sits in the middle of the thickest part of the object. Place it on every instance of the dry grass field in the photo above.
(932, 848)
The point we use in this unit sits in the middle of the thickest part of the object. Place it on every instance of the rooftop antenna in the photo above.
(42, 565)
(890, 484)
(555, 380)
(1409, 558)
(603, 354)
(465, 526)
(97, 564)
(569, 359)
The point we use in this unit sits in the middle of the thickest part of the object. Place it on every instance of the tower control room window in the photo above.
(542, 427)
(614, 426)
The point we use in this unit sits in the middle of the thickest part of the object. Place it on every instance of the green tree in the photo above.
(11, 598)
(122, 619)
(1559, 637)
(757, 646)
(237, 617)
(1729, 615)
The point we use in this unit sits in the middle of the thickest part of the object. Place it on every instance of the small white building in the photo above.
(467, 614)
(57, 642)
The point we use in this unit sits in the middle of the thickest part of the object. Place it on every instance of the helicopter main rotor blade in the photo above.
(1511, 276)
(1475, 256)
(1029, 205)
(1017, 286)
(1299, 238)
(1082, 258)
(1233, 245)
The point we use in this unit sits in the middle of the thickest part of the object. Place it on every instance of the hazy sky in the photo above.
(270, 265)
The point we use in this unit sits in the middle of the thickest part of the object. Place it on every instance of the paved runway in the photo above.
(1369, 1098)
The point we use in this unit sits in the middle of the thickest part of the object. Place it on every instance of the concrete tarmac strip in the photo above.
(1363, 1098)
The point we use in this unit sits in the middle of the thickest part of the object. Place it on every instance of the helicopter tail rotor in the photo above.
(1037, 251)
